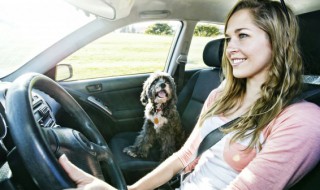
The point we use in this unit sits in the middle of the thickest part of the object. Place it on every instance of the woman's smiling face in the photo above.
(248, 47)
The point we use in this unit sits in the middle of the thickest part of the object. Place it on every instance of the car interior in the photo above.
(194, 93)
(190, 102)
(111, 119)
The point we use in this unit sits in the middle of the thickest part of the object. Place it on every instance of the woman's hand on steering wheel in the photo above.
(82, 179)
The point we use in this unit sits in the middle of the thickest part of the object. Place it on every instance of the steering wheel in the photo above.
(39, 147)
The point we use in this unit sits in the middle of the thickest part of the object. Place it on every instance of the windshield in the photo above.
(29, 27)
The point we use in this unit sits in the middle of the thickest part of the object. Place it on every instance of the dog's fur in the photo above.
(162, 121)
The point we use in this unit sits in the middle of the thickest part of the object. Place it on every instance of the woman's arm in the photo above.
(163, 173)
(159, 176)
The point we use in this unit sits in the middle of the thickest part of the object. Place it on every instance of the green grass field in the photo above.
(122, 54)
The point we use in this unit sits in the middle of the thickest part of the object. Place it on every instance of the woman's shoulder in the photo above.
(301, 117)
(216, 92)
(303, 109)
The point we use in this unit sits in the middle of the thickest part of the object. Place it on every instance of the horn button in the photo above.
(67, 140)
(84, 141)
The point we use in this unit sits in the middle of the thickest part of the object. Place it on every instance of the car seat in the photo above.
(190, 102)
(309, 44)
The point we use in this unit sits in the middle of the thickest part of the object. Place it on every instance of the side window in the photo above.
(133, 49)
(203, 33)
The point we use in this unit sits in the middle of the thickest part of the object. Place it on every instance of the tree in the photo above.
(206, 31)
(159, 29)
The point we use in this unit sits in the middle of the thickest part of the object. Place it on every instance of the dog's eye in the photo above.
(154, 82)
(167, 81)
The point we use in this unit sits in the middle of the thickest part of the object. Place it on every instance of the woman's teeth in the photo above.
(237, 61)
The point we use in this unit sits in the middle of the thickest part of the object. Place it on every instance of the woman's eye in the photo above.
(227, 39)
(241, 36)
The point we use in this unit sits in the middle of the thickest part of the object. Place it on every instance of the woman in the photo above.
(275, 142)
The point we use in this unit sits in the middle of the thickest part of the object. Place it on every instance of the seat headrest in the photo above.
(309, 42)
(212, 53)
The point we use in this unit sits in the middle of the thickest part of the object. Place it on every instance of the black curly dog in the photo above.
(162, 121)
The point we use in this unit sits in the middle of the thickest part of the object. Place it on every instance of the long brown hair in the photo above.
(283, 83)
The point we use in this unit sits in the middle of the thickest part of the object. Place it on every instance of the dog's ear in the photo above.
(145, 90)
(143, 96)
(174, 90)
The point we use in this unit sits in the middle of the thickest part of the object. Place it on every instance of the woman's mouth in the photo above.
(236, 62)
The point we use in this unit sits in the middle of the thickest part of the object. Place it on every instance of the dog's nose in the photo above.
(163, 85)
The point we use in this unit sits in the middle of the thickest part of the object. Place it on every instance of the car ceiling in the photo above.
(210, 10)
(215, 10)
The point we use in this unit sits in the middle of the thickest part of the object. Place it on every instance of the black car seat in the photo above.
(190, 102)
(312, 179)
(310, 50)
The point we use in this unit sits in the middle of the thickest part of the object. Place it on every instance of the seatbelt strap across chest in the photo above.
(213, 137)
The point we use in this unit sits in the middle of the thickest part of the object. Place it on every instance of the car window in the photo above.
(133, 49)
(29, 27)
(203, 33)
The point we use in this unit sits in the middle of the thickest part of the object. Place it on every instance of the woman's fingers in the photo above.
(76, 174)
(81, 178)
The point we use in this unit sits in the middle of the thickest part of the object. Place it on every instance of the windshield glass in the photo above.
(29, 27)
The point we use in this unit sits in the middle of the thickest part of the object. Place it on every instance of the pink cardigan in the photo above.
(291, 149)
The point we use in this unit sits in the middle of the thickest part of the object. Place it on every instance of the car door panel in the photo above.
(112, 103)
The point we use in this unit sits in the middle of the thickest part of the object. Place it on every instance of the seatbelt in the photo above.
(307, 94)
(212, 138)
(181, 60)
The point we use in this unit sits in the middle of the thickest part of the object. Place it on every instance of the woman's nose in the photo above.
(232, 50)
(231, 47)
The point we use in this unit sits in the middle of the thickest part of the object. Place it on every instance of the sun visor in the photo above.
(109, 9)
(122, 7)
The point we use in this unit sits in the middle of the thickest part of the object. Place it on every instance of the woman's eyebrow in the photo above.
(237, 31)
